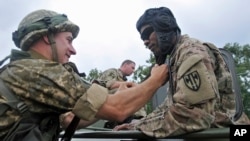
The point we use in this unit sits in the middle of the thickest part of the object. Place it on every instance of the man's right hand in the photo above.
(160, 73)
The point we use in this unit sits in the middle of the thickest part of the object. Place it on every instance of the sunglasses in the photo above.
(146, 33)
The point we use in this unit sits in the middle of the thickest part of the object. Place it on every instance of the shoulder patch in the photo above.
(192, 80)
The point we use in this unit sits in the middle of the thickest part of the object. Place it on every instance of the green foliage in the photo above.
(142, 72)
(93, 74)
(241, 56)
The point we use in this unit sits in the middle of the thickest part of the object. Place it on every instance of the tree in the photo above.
(93, 74)
(142, 72)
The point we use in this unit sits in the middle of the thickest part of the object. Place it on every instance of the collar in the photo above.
(36, 55)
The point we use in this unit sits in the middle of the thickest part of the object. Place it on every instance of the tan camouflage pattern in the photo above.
(209, 105)
(46, 87)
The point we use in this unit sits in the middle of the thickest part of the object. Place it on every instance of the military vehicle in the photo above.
(94, 134)
(97, 132)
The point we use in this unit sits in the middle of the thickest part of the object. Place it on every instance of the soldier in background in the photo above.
(200, 94)
(111, 78)
(40, 76)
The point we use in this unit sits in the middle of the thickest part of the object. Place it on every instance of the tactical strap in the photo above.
(228, 58)
(12, 101)
(70, 129)
(53, 46)
(2, 61)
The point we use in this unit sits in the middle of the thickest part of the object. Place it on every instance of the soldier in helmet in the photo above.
(200, 94)
(40, 76)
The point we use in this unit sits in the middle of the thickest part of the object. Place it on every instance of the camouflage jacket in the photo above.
(201, 95)
(46, 87)
(109, 76)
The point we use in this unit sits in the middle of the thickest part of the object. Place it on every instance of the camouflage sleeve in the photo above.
(194, 82)
(40, 82)
(87, 106)
(108, 77)
(141, 112)
(195, 91)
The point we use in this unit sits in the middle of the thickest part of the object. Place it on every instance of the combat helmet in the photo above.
(39, 23)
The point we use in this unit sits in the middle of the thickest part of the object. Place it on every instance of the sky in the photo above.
(107, 27)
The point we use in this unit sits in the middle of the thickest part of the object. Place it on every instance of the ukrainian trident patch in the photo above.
(192, 80)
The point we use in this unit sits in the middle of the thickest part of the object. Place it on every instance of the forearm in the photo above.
(97, 103)
(175, 120)
(126, 102)
(132, 102)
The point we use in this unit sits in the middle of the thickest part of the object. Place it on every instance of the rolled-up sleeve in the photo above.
(88, 105)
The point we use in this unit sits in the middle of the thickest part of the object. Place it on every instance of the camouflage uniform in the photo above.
(107, 79)
(201, 96)
(46, 87)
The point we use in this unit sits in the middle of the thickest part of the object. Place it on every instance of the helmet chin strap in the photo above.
(167, 42)
(53, 47)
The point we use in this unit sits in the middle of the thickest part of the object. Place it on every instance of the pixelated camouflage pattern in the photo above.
(45, 86)
(193, 110)
(109, 76)
(28, 39)
(107, 79)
